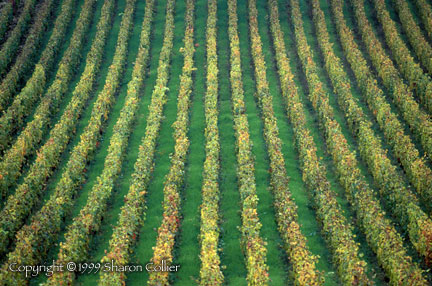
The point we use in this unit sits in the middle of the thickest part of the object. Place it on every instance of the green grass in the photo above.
(232, 257)
(188, 248)
(101, 240)
(148, 233)
(307, 220)
(276, 257)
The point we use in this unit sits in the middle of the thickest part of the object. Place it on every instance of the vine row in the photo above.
(303, 262)
(6, 15)
(418, 80)
(380, 234)
(28, 193)
(163, 250)
(425, 11)
(210, 271)
(251, 242)
(403, 204)
(336, 230)
(25, 61)
(419, 122)
(132, 214)
(79, 233)
(33, 241)
(415, 36)
(10, 47)
(28, 140)
(419, 174)
(13, 118)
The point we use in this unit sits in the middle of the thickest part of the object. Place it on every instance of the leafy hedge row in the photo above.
(79, 233)
(251, 242)
(6, 15)
(419, 174)
(336, 229)
(419, 81)
(419, 121)
(28, 193)
(13, 118)
(163, 250)
(12, 44)
(25, 61)
(132, 214)
(28, 140)
(210, 272)
(380, 234)
(421, 47)
(303, 262)
(34, 240)
(402, 203)
(425, 10)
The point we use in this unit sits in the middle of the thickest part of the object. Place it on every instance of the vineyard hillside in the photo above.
(205, 142)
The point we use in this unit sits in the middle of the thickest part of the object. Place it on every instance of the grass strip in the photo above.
(303, 262)
(132, 212)
(231, 253)
(167, 232)
(188, 242)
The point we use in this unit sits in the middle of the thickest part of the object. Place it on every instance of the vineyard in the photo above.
(204, 142)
